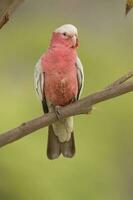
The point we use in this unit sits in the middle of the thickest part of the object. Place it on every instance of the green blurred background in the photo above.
(103, 166)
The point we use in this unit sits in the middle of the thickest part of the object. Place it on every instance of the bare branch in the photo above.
(121, 80)
(7, 7)
(82, 106)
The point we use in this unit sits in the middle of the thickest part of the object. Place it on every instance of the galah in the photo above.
(59, 81)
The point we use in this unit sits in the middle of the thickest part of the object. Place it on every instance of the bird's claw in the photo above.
(58, 112)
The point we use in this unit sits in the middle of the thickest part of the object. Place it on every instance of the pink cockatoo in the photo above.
(59, 81)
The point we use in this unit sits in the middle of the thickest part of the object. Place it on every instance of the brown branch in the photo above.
(7, 7)
(121, 80)
(82, 106)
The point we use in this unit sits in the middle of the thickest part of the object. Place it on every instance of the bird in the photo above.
(59, 80)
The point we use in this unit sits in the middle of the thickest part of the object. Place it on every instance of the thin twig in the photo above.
(7, 8)
(121, 80)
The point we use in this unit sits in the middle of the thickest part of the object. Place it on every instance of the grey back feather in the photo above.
(39, 80)
(80, 77)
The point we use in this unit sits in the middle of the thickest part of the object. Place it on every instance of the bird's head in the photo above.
(66, 35)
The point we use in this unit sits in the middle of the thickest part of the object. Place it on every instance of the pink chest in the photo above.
(61, 89)
(60, 85)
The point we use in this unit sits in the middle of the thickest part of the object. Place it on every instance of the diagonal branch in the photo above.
(82, 106)
(121, 80)
(7, 7)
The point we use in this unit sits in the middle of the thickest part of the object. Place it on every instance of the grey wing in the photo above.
(39, 85)
(80, 77)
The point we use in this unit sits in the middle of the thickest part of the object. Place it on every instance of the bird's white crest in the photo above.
(67, 28)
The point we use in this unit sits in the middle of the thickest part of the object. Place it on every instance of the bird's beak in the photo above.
(77, 42)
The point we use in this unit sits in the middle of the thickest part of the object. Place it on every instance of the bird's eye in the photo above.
(64, 34)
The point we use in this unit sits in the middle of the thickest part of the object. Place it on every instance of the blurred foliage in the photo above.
(102, 166)
(129, 5)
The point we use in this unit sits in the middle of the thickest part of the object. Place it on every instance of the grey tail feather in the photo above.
(68, 148)
(55, 148)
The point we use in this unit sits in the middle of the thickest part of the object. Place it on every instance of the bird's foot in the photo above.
(58, 112)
